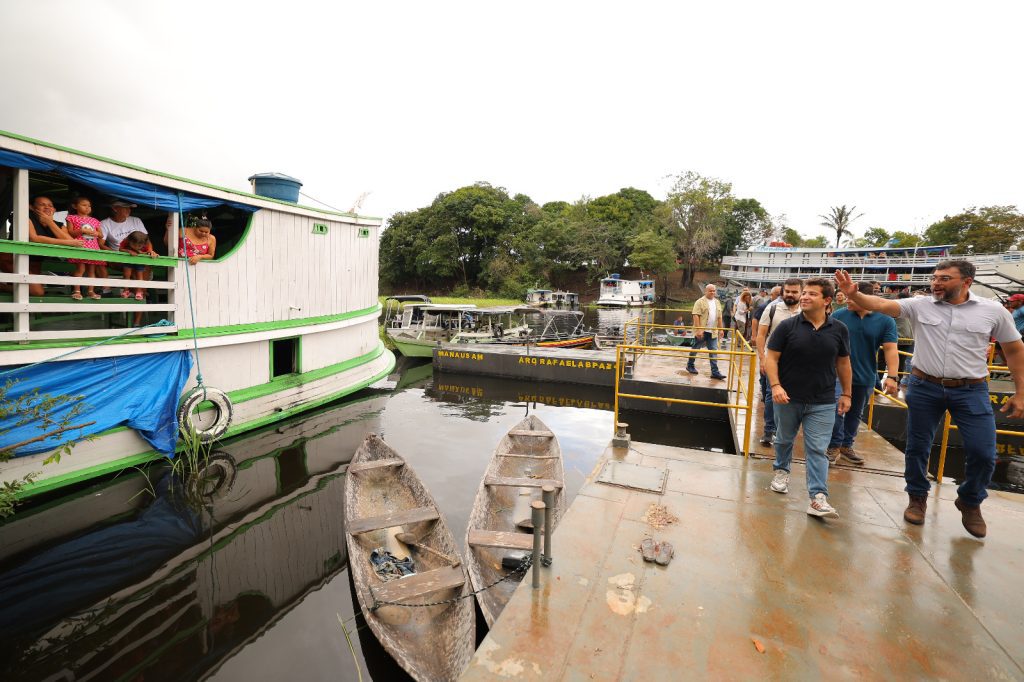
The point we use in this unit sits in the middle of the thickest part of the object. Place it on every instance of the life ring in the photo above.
(499, 331)
(221, 405)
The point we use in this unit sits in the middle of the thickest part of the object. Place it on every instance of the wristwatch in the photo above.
(889, 376)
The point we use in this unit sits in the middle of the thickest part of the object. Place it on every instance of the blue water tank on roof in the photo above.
(276, 186)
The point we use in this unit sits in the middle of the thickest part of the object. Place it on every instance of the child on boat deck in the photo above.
(81, 225)
(137, 244)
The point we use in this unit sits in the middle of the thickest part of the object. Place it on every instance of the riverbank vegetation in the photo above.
(482, 239)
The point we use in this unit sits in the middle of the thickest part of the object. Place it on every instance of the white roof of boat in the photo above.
(508, 309)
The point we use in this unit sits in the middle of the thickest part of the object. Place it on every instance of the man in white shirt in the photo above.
(115, 229)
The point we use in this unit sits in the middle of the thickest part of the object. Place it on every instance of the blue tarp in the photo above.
(138, 391)
(136, 191)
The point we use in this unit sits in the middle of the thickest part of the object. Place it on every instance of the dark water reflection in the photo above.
(127, 580)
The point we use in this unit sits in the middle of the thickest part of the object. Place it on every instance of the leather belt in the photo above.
(948, 383)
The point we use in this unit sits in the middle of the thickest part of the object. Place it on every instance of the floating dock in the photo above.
(760, 590)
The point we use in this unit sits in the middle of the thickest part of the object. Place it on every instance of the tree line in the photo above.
(480, 237)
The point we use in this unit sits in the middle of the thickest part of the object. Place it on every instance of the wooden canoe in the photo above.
(383, 496)
(527, 458)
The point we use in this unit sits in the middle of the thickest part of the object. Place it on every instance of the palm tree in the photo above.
(839, 221)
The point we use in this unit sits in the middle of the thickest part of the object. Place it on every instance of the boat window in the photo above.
(284, 357)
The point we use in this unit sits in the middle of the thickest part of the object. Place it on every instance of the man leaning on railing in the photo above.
(950, 372)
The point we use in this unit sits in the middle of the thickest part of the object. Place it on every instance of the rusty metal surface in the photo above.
(637, 476)
(862, 596)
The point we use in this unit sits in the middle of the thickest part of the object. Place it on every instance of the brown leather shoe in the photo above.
(971, 517)
(914, 512)
(832, 454)
(851, 456)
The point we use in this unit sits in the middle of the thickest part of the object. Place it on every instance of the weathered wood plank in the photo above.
(522, 482)
(398, 518)
(378, 464)
(500, 539)
(528, 432)
(420, 584)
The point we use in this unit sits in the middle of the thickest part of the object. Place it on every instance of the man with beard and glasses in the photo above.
(771, 316)
(950, 372)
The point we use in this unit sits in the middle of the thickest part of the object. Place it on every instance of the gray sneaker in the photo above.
(780, 483)
(819, 506)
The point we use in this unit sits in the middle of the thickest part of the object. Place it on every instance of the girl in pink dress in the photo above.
(82, 226)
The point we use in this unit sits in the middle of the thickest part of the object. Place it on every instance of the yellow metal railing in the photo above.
(741, 357)
(947, 422)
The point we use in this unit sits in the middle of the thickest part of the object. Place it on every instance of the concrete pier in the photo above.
(760, 590)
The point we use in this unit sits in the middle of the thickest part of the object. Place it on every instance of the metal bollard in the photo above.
(548, 492)
(537, 516)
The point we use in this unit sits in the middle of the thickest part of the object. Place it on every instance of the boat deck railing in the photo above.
(741, 358)
(811, 259)
(54, 317)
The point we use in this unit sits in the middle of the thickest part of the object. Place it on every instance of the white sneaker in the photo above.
(780, 483)
(819, 506)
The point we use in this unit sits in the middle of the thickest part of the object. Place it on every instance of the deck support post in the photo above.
(548, 495)
(537, 514)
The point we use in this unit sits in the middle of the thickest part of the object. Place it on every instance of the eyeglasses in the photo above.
(943, 278)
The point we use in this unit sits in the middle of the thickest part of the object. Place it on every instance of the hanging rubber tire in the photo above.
(221, 405)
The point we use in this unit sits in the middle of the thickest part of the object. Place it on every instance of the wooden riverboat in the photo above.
(616, 292)
(416, 327)
(282, 319)
(384, 503)
(526, 459)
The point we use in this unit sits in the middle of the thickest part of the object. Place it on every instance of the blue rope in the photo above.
(191, 307)
(161, 323)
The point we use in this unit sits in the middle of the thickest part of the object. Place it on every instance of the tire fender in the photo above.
(222, 409)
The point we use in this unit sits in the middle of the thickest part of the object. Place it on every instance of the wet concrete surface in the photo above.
(864, 596)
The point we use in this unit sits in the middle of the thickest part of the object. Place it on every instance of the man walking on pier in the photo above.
(707, 315)
(950, 372)
(805, 356)
(868, 331)
(768, 319)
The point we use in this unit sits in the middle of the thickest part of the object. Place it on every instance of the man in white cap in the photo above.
(115, 228)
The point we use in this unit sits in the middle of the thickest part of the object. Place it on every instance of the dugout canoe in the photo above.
(384, 497)
(526, 459)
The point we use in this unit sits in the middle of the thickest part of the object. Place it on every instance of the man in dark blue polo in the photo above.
(868, 331)
(805, 354)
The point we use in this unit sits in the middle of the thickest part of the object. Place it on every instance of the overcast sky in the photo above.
(908, 110)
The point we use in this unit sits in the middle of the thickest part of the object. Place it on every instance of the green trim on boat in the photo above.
(203, 332)
(58, 251)
(80, 475)
(122, 164)
(237, 245)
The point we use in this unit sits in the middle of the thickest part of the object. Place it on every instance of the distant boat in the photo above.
(546, 298)
(415, 325)
(527, 458)
(384, 501)
(625, 293)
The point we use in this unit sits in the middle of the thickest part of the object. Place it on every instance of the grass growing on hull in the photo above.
(36, 409)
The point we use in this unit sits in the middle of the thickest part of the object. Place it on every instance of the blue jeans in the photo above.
(972, 412)
(766, 398)
(709, 339)
(846, 426)
(817, 421)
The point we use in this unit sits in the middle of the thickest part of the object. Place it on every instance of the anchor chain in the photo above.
(520, 570)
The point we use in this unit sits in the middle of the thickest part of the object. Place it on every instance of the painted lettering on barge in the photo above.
(565, 402)
(571, 364)
(462, 390)
(459, 355)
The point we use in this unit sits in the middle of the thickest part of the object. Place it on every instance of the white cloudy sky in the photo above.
(909, 110)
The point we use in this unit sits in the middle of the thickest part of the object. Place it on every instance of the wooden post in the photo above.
(538, 523)
(21, 261)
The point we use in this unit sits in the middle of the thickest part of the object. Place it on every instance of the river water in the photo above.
(139, 578)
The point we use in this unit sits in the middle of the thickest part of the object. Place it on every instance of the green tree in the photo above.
(748, 224)
(989, 229)
(818, 242)
(838, 220)
(654, 252)
(874, 236)
(695, 213)
(791, 236)
(902, 238)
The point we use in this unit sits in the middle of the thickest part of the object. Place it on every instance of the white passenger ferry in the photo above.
(625, 293)
(283, 318)
(893, 268)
